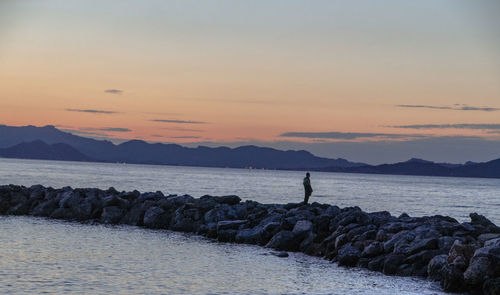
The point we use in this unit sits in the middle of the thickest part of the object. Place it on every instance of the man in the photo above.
(307, 187)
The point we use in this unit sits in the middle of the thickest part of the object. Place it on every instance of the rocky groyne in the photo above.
(462, 256)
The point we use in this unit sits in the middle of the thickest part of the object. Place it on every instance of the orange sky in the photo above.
(226, 72)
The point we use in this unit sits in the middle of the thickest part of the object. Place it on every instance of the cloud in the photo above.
(182, 129)
(185, 137)
(114, 129)
(113, 91)
(452, 126)
(178, 121)
(344, 135)
(91, 111)
(455, 107)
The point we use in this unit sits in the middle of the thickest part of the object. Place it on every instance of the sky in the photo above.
(372, 81)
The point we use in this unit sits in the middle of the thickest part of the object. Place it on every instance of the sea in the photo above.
(42, 256)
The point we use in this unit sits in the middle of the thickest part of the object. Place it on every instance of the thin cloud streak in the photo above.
(456, 107)
(90, 111)
(185, 137)
(344, 135)
(113, 91)
(452, 126)
(114, 129)
(178, 121)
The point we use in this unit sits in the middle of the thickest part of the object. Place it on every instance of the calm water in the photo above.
(45, 256)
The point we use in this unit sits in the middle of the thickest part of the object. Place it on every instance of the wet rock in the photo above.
(374, 249)
(435, 267)
(229, 200)
(111, 215)
(230, 224)
(155, 217)
(491, 286)
(302, 228)
(452, 279)
(115, 201)
(392, 262)
(284, 240)
(45, 209)
(227, 235)
(281, 254)
(348, 255)
(425, 244)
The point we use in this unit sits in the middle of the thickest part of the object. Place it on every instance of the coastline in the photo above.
(463, 256)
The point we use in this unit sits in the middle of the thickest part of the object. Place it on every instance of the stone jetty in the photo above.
(464, 257)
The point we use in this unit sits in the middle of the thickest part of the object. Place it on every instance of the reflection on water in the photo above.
(57, 257)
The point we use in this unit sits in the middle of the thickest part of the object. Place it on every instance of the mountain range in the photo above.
(50, 143)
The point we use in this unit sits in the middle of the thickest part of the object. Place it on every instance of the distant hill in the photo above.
(141, 152)
(489, 169)
(40, 150)
(50, 143)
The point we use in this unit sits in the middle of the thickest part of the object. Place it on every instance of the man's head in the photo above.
(308, 174)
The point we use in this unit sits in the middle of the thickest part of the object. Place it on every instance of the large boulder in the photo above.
(374, 249)
(435, 267)
(392, 262)
(284, 241)
(452, 279)
(111, 215)
(484, 264)
(46, 208)
(302, 229)
(155, 217)
(348, 255)
(491, 286)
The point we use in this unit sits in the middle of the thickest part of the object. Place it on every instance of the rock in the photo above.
(230, 224)
(425, 244)
(281, 254)
(229, 200)
(452, 279)
(250, 235)
(377, 263)
(348, 255)
(486, 237)
(400, 236)
(392, 262)
(341, 241)
(302, 229)
(155, 217)
(45, 209)
(374, 249)
(491, 286)
(460, 249)
(435, 267)
(284, 240)
(492, 243)
(381, 236)
(111, 215)
(477, 271)
(186, 220)
(70, 199)
(115, 201)
(227, 235)
(484, 264)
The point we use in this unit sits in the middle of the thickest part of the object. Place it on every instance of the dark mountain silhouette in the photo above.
(53, 144)
(489, 169)
(141, 152)
(40, 150)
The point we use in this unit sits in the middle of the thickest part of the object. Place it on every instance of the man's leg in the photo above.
(306, 197)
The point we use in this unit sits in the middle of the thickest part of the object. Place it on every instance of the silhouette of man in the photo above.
(307, 187)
